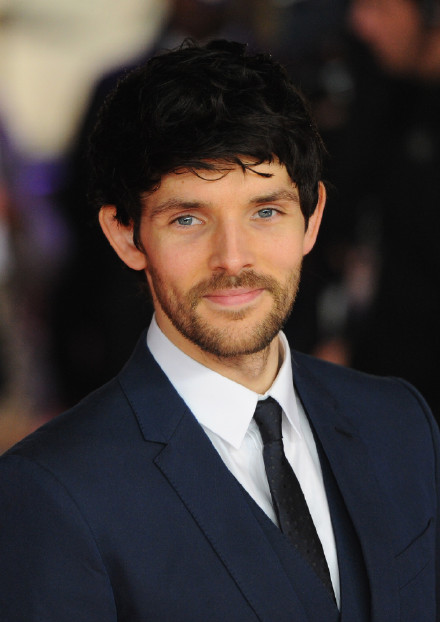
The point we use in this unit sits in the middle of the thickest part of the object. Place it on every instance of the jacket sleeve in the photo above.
(436, 435)
(435, 432)
(50, 566)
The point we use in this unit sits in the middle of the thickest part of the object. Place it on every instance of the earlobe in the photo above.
(120, 238)
(315, 221)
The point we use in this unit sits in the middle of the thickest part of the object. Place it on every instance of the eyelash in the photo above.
(187, 217)
(268, 209)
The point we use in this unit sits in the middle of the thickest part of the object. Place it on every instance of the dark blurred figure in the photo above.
(31, 253)
(390, 164)
(403, 35)
(98, 311)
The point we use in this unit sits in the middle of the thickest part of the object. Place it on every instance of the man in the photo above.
(161, 496)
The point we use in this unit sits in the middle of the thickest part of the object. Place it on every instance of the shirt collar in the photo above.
(218, 403)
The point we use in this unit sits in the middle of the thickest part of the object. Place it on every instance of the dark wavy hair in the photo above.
(199, 108)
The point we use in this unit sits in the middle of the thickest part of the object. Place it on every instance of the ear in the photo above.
(121, 238)
(315, 219)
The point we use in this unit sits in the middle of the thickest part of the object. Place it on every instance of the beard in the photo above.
(237, 337)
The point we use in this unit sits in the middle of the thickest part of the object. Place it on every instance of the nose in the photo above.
(231, 249)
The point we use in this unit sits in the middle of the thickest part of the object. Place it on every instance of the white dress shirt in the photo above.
(225, 410)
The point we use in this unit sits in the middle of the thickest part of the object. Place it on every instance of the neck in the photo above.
(254, 371)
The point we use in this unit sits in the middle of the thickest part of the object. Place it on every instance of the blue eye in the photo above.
(186, 221)
(266, 212)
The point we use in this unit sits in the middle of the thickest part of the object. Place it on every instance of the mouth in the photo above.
(234, 297)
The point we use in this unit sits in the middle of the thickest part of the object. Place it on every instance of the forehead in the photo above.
(208, 185)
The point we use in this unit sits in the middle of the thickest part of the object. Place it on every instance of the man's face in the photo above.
(223, 257)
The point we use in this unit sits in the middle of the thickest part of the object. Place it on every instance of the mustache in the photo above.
(221, 281)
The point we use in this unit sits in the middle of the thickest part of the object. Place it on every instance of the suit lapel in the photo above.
(351, 464)
(218, 505)
(208, 490)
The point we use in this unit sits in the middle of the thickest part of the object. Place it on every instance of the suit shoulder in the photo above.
(362, 392)
(94, 420)
(332, 373)
(389, 414)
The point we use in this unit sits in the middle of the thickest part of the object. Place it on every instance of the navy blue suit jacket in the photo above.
(121, 509)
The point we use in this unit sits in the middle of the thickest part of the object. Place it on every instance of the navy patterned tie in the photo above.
(288, 500)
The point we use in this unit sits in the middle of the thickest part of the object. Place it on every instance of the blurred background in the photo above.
(70, 313)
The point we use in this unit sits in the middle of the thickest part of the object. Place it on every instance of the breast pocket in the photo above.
(416, 575)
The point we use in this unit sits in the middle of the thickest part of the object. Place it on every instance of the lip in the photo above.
(233, 297)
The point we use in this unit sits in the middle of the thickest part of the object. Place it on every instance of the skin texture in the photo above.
(222, 253)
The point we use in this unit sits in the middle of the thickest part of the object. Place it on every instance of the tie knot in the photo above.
(268, 418)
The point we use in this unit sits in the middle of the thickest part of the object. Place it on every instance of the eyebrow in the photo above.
(277, 195)
(175, 203)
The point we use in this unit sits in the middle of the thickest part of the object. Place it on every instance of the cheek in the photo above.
(286, 255)
(173, 268)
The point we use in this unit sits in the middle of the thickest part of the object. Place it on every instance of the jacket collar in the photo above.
(156, 404)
